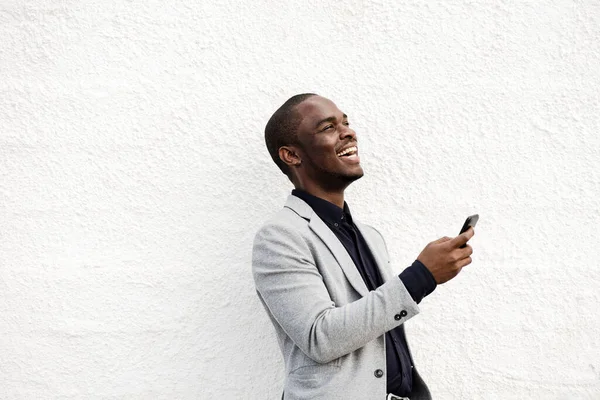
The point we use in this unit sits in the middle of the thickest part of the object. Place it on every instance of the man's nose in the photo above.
(346, 131)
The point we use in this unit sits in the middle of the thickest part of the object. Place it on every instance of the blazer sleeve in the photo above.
(293, 290)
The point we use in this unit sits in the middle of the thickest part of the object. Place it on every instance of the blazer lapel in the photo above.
(382, 263)
(331, 241)
(340, 254)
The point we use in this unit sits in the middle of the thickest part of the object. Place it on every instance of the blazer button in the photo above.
(398, 317)
(378, 373)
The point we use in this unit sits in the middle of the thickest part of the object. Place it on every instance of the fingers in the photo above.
(464, 262)
(463, 256)
(465, 252)
(463, 238)
(441, 240)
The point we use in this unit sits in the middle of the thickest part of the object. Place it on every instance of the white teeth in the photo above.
(348, 150)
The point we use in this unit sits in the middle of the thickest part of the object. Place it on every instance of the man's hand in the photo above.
(444, 258)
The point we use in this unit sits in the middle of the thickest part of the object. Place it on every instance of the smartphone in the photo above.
(470, 221)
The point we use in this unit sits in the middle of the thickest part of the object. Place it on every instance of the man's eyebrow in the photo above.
(330, 119)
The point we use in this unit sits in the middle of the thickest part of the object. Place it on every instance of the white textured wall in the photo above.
(134, 175)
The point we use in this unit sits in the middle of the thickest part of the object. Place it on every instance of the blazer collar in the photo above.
(331, 241)
(299, 206)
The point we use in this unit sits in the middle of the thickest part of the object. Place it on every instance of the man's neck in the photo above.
(335, 197)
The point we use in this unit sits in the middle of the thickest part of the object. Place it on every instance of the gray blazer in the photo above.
(330, 327)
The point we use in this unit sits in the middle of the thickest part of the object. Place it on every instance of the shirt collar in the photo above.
(327, 211)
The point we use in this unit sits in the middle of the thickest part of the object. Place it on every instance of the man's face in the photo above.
(329, 149)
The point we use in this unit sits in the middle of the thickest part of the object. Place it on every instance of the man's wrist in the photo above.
(418, 280)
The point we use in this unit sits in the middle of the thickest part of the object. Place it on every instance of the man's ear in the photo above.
(290, 155)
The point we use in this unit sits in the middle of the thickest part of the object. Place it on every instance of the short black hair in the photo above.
(281, 130)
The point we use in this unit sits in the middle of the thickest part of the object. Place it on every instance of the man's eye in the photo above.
(347, 123)
(328, 127)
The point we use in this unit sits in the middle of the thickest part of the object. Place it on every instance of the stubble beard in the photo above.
(332, 180)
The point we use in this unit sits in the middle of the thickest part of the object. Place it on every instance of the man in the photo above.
(325, 279)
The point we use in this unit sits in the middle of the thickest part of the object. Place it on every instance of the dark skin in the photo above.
(323, 131)
(318, 168)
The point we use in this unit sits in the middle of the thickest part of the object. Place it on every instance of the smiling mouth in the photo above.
(350, 151)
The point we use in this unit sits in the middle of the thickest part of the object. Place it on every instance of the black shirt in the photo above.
(417, 279)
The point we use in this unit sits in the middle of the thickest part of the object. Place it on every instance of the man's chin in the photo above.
(339, 179)
(353, 176)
